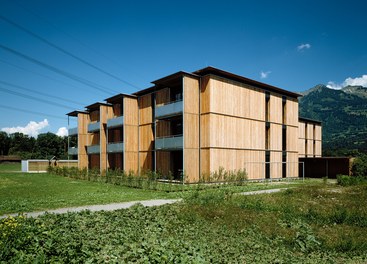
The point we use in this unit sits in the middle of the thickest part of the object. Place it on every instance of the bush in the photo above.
(345, 180)
(359, 167)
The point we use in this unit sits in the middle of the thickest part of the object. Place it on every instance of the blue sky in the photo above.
(293, 45)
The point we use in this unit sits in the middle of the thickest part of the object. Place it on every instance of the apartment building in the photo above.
(191, 124)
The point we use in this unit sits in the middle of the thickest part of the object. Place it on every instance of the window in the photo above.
(284, 138)
(267, 135)
(267, 106)
(284, 164)
(267, 164)
(284, 108)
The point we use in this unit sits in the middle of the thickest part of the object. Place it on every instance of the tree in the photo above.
(22, 145)
(50, 145)
(4, 143)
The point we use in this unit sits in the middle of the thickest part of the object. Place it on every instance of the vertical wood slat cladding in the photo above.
(275, 108)
(301, 130)
(310, 148)
(163, 162)
(205, 95)
(145, 162)
(292, 139)
(318, 149)
(276, 164)
(292, 164)
(301, 147)
(226, 96)
(191, 95)
(163, 128)
(275, 137)
(131, 130)
(105, 113)
(310, 131)
(145, 109)
(146, 138)
(162, 96)
(292, 112)
(318, 133)
(83, 139)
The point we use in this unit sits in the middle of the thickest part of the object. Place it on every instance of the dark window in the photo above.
(176, 127)
(267, 164)
(284, 164)
(176, 94)
(284, 138)
(267, 135)
(284, 108)
(267, 106)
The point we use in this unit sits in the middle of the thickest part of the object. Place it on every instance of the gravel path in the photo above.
(116, 206)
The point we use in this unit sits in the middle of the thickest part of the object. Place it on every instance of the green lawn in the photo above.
(315, 223)
(25, 192)
(10, 166)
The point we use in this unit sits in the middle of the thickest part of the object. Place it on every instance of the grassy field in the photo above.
(10, 166)
(25, 192)
(322, 223)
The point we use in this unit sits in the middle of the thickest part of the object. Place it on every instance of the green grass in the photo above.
(315, 223)
(25, 192)
(10, 166)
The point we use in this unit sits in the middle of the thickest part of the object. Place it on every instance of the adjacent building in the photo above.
(189, 125)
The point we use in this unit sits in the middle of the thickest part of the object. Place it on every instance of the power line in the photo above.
(65, 51)
(29, 111)
(41, 93)
(54, 69)
(39, 74)
(49, 23)
(34, 98)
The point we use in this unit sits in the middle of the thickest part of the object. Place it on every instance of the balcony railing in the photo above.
(94, 149)
(115, 122)
(93, 127)
(169, 143)
(116, 147)
(73, 151)
(170, 109)
(73, 131)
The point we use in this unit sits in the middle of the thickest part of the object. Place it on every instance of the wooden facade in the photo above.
(189, 125)
(309, 138)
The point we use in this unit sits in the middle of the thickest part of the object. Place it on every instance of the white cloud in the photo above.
(358, 81)
(62, 132)
(303, 47)
(31, 129)
(264, 75)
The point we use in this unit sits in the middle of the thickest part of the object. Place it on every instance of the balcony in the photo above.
(116, 147)
(170, 109)
(169, 143)
(73, 151)
(73, 131)
(93, 149)
(93, 127)
(115, 122)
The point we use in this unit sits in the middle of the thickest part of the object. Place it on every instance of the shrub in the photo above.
(345, 180)
(359, 167)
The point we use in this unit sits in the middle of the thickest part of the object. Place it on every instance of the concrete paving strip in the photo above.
(100, 207)
(263, 191)
(117, 206)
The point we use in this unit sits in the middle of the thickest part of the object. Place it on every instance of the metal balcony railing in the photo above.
(73, 131)
(93, 127)
(73, 151)
(170, 109)
(115, 147)
(93, 149)
(115, 122)
(169, 142)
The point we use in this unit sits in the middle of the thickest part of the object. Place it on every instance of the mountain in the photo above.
(343, 114)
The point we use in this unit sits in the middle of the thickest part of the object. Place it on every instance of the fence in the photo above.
(42, 165)
(274, 170)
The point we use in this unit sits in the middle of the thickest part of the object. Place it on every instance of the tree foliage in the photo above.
(45, 146)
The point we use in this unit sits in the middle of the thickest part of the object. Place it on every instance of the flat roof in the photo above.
(76, 112)
(238, 78)
(96, 105)
(118, 97)
(309, 120)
